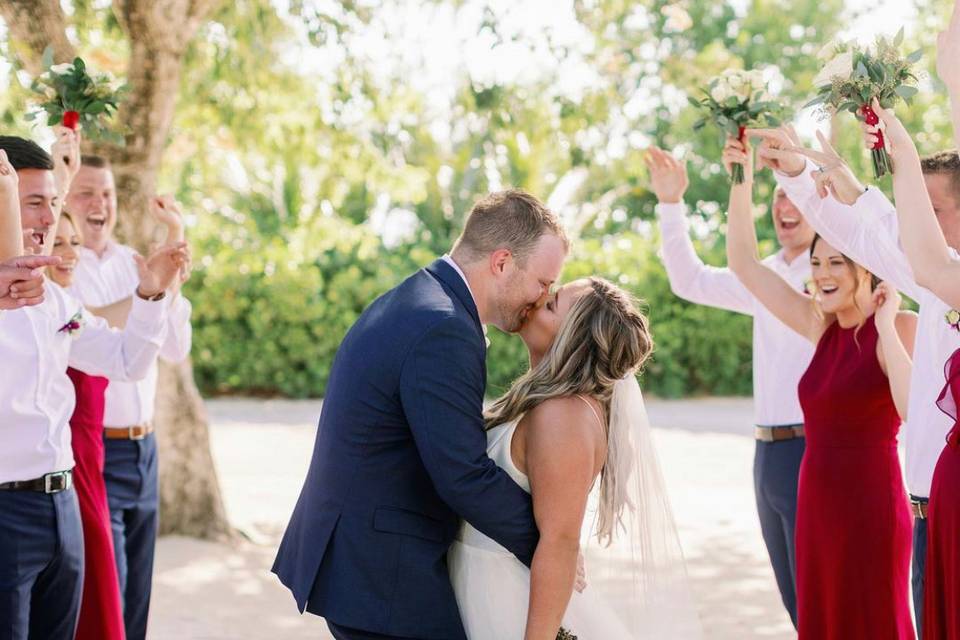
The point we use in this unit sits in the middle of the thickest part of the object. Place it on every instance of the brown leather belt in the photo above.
(776, 434)
(50, 483)
(919, 508)
(137, 432)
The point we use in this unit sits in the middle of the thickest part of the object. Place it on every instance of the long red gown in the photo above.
(101, 611)
(941, 606)
(854, 527)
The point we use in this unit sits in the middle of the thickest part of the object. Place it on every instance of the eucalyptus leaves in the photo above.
(854, 75)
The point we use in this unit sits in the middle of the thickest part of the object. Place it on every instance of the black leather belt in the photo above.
(50, 483)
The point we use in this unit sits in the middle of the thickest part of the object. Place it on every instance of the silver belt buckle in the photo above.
(56, 482)
(133, 436)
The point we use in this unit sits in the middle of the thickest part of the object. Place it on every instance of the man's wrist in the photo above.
(670, 200)
(793, 174)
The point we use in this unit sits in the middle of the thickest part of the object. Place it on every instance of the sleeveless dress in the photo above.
(941, 608)
(101, 611)
(854, 524)
(493, 587)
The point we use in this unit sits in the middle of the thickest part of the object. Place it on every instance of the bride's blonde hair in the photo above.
(603, 339)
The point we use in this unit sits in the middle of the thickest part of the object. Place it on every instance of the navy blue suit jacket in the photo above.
(400, 457)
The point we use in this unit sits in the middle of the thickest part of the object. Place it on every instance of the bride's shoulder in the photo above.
(570, 419)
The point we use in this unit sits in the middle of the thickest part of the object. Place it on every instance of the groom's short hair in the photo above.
(511, 219)
(25, 154)
(946, 163)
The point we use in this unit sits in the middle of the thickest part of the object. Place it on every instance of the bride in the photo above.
(577, 415)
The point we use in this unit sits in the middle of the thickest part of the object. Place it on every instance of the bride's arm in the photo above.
(561, 444)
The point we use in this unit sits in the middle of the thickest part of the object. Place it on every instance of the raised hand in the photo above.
(899, 144)
(161, 270)
(66, 157)
(775, 150)
(668, 176)
(736, 152)
(10, 232)
(166, 210)
(833, 175)
(22, 281)
(887, 301)
(948, 53)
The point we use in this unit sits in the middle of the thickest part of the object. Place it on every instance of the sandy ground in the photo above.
(262, 449)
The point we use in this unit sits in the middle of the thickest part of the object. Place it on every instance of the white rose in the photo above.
(829, 50)
(840, 67)
(721, 92)
(62, 69)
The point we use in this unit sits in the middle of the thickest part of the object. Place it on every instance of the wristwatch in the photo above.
(153, 298)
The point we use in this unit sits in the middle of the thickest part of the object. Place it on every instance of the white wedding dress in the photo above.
(637, 586)
(493, 587)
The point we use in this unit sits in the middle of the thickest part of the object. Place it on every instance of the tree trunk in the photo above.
(159, 32)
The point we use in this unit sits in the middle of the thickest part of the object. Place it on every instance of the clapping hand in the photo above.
(887, 301)
(161, 270)
(66, 157)
(668, 176)
(833, 175)
(22, 281)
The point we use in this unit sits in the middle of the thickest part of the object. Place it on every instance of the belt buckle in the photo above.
(133, 435)
(49, 486)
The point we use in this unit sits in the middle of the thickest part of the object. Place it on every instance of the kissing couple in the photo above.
(424, 516)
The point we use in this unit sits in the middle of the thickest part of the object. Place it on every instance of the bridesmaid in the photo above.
(853, 536)
(937, 267)
(101, 612)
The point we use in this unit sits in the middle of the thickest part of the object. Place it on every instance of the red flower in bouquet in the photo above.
(854, 75)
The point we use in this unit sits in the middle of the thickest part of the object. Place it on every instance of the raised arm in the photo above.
(791, 307)
(11, 234)
(441, 389)
(948, 65)
(897, 330)
(934, 266)
(689, 277)
(563, 451)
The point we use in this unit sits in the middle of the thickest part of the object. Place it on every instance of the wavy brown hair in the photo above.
(603, 339)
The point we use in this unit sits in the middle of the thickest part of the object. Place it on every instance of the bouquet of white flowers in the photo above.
(71, 96)
(854, 75)
(736, 100)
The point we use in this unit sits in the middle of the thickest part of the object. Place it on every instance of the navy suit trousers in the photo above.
(41, 565)
(132, 491)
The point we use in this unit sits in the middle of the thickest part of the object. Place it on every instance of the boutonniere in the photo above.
(73, 325)
(953, 319)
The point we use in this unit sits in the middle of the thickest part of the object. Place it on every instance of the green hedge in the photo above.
(266, 325)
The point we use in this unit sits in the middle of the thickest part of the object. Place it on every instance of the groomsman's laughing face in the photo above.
(38, 203)
(523, 286)
(793, 231)
(93, 203)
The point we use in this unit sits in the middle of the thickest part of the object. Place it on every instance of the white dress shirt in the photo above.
(780, 355)
(37, 397)
(867, 232)
(101, 281)
(446, 258)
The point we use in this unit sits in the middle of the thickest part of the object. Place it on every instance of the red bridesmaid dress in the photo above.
(854, 524)
(101, 611)
(941, 596)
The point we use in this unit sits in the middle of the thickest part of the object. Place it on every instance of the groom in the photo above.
(400, 454)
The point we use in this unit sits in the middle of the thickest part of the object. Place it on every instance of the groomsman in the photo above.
(862, 223)
(104, 276)
(41, 539)
(780, 356)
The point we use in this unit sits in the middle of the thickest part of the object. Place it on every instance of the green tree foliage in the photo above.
(323, 158)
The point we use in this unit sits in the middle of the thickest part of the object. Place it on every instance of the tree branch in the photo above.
(35, 24)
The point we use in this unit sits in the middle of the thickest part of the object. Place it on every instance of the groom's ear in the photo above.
(500, 261)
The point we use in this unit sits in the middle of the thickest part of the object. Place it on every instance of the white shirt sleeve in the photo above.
(866, 231)
(121, 355)
(689, 277)
(176, 346)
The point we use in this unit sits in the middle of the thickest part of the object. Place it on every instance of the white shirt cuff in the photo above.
(675, 210)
